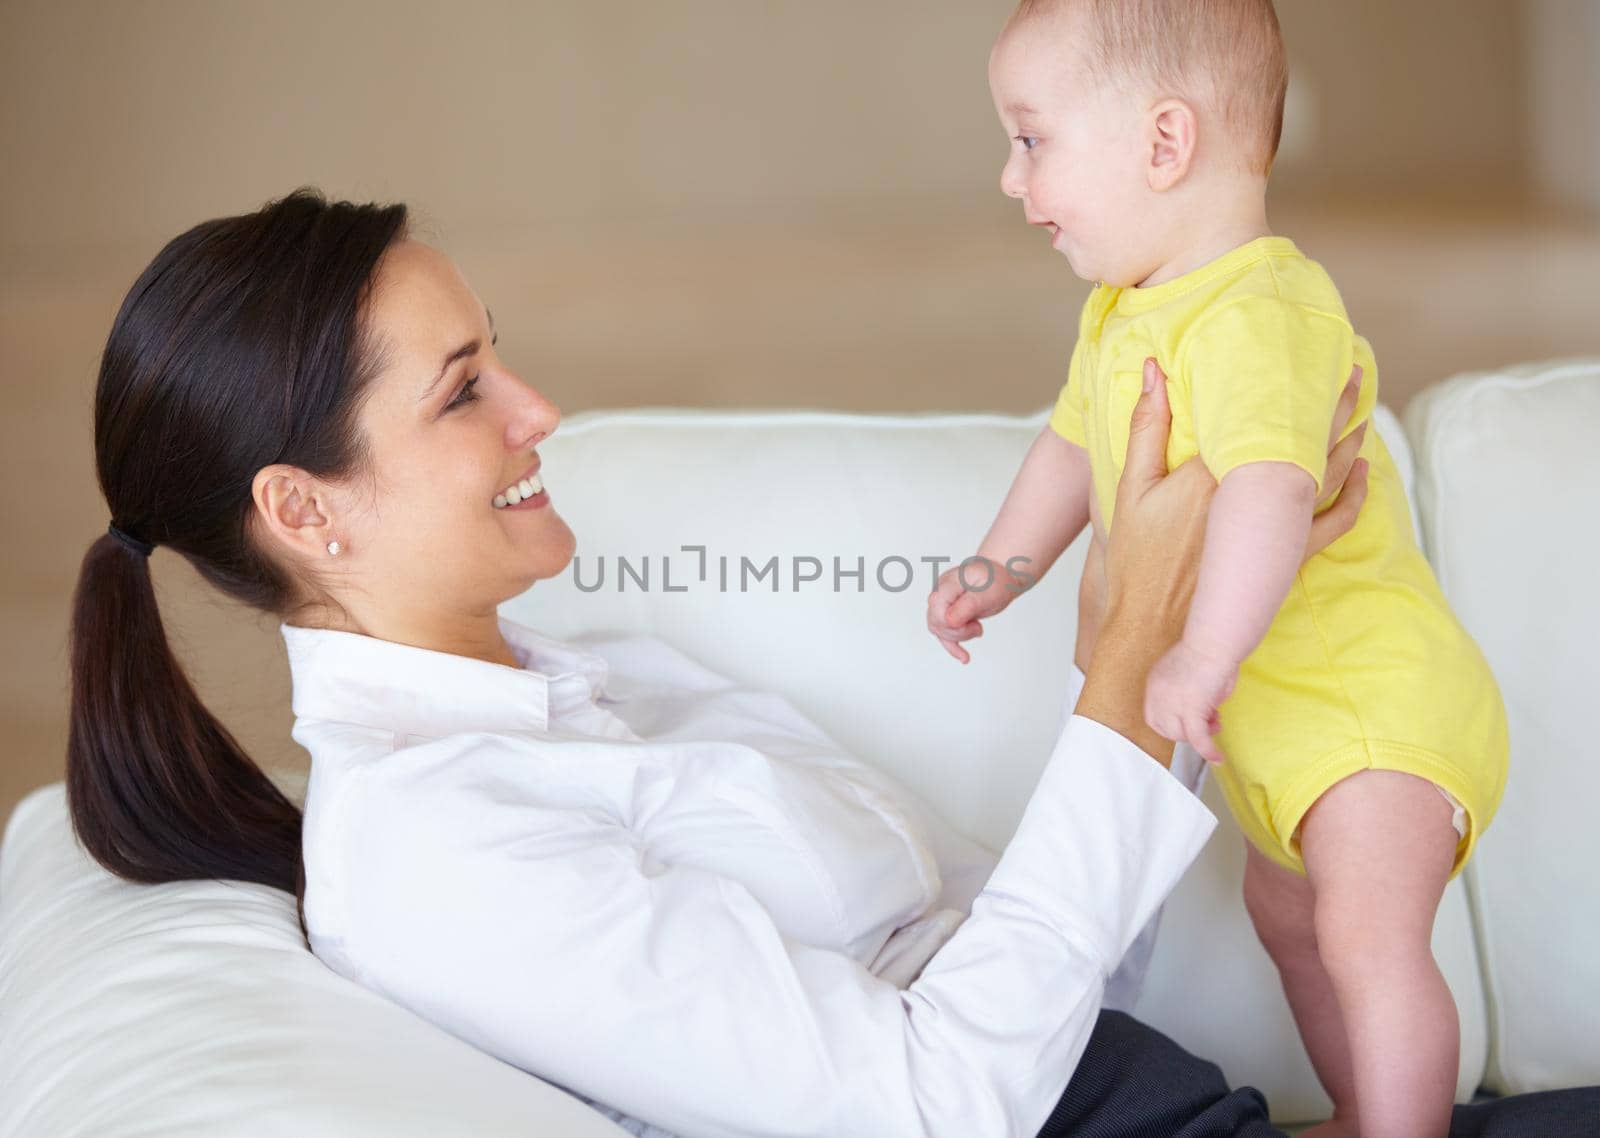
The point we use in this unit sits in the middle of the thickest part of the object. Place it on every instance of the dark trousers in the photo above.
(1134, 1082)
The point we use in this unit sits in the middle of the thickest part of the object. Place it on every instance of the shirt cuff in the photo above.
(1075, 681)
(1107, 835)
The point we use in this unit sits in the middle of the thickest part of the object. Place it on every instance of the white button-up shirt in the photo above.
(680, 900)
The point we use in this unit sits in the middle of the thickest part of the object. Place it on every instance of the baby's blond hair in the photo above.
(1227, 55)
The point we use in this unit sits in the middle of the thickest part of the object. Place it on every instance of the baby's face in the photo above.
(1076, 163)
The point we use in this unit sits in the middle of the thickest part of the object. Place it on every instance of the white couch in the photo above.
(193, 1009)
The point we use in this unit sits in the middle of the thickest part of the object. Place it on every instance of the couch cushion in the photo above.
(195, 1009)
(641, 485)
(1507, 478)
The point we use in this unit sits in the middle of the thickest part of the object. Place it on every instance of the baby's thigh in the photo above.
(1281, 905)
(1379, 846)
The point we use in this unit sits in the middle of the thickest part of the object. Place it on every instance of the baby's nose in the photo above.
(1011, 182)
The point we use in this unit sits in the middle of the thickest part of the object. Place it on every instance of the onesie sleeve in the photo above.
(1264, 376)
(1066, 419)
(566, 944)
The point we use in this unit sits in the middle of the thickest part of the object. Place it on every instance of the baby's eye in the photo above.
(1027, 142)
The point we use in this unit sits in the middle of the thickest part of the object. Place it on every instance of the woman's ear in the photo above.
(1172, 131)
(288, 505)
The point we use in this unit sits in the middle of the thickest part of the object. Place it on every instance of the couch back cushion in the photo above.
(822, 491)
(1508, 482)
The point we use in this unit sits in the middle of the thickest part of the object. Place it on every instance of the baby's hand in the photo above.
(956, 613)
(1183, 694)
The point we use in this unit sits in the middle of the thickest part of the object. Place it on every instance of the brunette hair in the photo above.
(241, 345)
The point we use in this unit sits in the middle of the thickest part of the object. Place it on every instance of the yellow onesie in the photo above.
(1365, 666)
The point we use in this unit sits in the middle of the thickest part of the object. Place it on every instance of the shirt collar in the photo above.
(349, 677)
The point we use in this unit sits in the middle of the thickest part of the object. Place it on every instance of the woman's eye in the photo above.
(1027, 142)
(465, 395)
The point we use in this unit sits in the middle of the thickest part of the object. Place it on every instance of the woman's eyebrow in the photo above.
(469, 348)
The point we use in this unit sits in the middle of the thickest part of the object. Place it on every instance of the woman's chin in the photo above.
(548, 552)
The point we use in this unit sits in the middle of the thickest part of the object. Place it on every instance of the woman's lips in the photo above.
(528, 491)
(538, 501)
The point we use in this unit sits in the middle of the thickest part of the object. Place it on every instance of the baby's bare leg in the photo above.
(1379, 847)
(1281, 905)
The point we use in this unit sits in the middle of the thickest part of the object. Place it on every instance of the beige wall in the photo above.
(1422, 98)
(125, 122)
(690, 202)
(1562, 55)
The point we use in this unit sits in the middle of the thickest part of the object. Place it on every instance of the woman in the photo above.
(603, 864)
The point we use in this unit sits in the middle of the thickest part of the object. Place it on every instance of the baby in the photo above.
(1359, 734)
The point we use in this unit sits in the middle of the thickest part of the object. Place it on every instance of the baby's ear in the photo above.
(1172, 130)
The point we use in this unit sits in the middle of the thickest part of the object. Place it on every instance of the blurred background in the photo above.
(713, 203)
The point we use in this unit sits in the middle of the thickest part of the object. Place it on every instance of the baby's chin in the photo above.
(1081, 269)
(1110, 276)
(1080, 265)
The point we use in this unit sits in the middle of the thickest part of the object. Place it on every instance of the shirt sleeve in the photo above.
(1264, 375)
(557, 941)
(1066, 417)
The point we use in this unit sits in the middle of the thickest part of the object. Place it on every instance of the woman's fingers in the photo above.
(1348, 398)
(1148, 430)
(1339, 518)
(1340, 459)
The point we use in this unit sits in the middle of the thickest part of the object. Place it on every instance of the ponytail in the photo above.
(158, 789)
(242, 344)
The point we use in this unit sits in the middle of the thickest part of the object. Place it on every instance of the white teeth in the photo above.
(519, 492)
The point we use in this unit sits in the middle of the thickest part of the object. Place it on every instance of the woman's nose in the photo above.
(536, 420)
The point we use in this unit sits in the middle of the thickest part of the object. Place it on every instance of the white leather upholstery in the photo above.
(194, 1009)
(1507, 475)
(190, 1009)
(643, 484)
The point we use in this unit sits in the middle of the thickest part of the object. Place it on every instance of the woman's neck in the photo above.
(476, 635)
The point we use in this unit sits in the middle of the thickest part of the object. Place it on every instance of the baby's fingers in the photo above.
(963, 610)
(1160, 720)
(944, 594)
(1200, 733)
(952, 640)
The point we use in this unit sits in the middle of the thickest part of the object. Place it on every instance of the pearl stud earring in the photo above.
(333, 548)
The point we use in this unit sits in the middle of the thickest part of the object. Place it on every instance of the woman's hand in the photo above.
(1344, 491)
(1344, 482)
(1152, 558)
(1091, 601)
